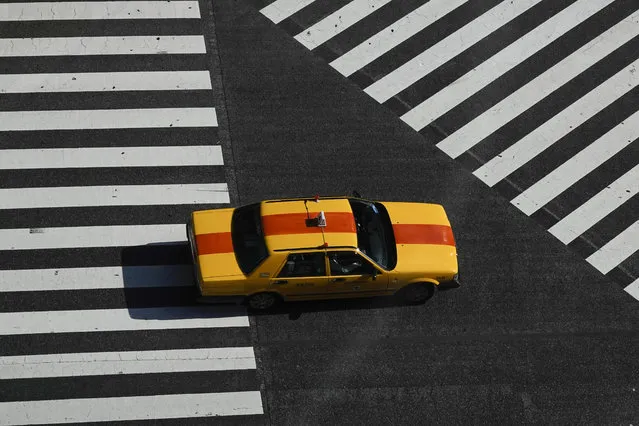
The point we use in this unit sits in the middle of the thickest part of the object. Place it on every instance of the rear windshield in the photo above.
(248, 240)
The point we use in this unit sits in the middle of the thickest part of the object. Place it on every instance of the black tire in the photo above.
(417, 293)
(262, 301)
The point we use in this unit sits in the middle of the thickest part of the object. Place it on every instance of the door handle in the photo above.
(280, 282)
(334, 280)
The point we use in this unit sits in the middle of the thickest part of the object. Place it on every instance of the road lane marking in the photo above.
(102, 10)
(338, 21)
(279, 10)
(98, 277)
(117, 195)
(496, 66)
(426, 62)
(550, 132)
(131, 408)
(108, 45)
(128, 362)
(633, 289)
(578, 166)
(528, 95)
(107, 119)
(90, 236)
(616, 250)
(394, 34)
(598, 207)
(136, 156)
(105, 81)
(100, 320)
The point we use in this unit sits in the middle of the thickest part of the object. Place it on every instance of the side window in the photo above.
(349, 263)
(304, 265)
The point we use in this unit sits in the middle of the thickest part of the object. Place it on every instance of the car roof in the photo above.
(291, 224)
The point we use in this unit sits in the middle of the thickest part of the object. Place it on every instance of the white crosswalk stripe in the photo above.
(94, 197)
(575, 67)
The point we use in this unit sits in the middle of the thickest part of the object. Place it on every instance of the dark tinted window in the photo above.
(349, 263)
(374, 232)
(304, 265)
(248, 240)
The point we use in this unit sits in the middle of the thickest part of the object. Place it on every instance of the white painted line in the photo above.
(279, 10)
(598, 207)
(578, 166)
(130, 362)
(99, 320)
(616, 250)
(633, 289)
(544, 136)
(90, 236)
(137, 156)
(338, 21)
(540, 87)
(105, 81)
(121, 195)
(130, 408)
(496, 66)
(107, 119)
(88, 10)
(99, 277)
(394, 34)
(110, 45)
(429, 60)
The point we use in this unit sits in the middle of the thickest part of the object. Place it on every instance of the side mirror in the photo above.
(374, 274)
(356, 194)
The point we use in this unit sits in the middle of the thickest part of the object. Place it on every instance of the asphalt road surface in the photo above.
(97, 321)
(534, 335)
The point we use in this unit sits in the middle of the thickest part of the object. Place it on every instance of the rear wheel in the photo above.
(262, 301)
(417, 293)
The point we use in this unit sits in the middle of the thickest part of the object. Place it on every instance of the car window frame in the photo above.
(283, 265)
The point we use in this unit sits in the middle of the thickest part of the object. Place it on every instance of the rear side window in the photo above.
(248, 240)
(304, 265)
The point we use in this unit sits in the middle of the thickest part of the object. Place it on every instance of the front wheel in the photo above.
(262, 301)
(417, 293)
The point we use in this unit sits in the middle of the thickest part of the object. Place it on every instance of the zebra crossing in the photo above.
(108, 139)
(538, 98)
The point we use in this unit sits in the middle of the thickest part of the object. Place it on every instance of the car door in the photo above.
(303, 275)
(350, 273)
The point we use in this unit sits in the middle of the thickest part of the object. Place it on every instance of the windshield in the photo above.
(374, 232)
(248, 240)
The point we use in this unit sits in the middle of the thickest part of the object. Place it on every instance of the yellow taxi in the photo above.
(321, 248)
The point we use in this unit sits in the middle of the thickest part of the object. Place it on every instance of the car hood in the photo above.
(424, 238)
(212, 244)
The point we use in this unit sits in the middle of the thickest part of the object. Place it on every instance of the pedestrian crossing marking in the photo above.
(596, 208)
(90, 236)
(115, 195)
(107, 119)
(105, 81)
(128, 362)
(506, 59)
(57, 279)
(520, 100)
(106, 45)
(282, 9)
(394, 34)
(578, 166)
(616, 250)
(99, 320)
(137, 156)
(432, 58)
(551, 132)
(130, 408)
(338, 21)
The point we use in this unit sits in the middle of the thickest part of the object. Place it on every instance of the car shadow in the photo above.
(296, 309)
(159, 284)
